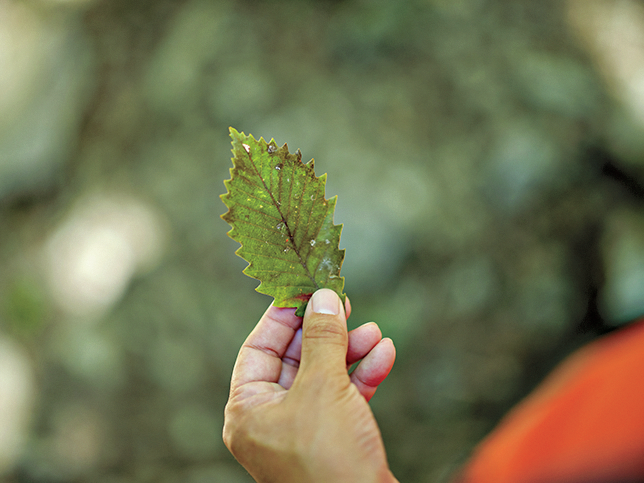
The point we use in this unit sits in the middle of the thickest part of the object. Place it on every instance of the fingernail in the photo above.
(325, 301)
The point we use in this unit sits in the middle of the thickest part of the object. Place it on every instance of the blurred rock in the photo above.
(104, 242)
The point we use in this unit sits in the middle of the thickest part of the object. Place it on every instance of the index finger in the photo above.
(260, 357)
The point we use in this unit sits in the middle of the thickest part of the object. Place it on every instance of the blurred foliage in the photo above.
(24, 308)
(490, 185)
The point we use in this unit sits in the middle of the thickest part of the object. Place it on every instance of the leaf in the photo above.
(278, 212)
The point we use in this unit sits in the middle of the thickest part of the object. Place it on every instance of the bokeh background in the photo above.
(488, 156)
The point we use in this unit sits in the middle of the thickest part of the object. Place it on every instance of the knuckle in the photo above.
(325, 329)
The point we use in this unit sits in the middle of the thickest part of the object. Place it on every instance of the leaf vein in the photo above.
(255, 210)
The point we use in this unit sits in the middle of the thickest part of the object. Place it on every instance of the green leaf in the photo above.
(278, 212)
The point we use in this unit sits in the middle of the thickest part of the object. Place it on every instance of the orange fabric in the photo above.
(585, 423)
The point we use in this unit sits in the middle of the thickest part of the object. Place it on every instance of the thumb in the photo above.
(324, 333)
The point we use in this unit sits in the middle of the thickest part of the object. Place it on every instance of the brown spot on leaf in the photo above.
(304, 297)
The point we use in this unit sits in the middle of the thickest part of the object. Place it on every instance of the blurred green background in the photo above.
(488, 156)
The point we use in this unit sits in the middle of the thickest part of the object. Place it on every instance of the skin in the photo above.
(294, 414)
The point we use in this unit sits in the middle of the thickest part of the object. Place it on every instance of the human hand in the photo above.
(294, 413)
